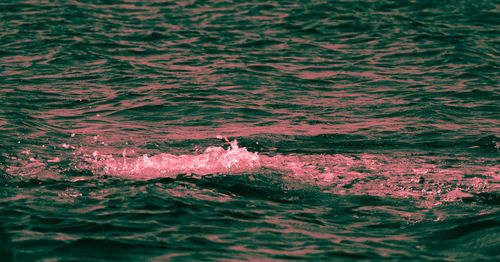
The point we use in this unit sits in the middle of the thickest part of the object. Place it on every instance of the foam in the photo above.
(431, 180)
(214, 160)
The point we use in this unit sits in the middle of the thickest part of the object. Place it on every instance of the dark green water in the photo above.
(249, 130)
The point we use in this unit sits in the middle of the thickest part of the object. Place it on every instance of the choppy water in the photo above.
(249, 130)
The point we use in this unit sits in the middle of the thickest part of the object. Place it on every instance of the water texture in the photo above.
(249, 130)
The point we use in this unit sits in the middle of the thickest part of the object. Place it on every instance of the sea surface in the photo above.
(189, 130)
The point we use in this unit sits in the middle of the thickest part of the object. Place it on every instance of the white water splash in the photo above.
(378, 175)
(214, 160)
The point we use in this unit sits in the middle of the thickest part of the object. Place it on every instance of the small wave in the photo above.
(430, 179)
(214, 160)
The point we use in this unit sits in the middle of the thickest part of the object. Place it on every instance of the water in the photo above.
(249, 130)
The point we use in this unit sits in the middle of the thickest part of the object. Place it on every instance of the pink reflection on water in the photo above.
(327, 74)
